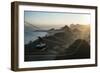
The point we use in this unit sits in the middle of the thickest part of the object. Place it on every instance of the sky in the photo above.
(55, 19)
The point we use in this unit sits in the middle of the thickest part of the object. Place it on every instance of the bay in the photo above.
(32, 36)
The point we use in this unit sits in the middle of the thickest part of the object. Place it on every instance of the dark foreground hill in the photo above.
(61, 45)
(78, 50)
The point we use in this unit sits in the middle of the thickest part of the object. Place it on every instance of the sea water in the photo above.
(32, 36)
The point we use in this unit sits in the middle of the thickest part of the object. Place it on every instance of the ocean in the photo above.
(32, 36)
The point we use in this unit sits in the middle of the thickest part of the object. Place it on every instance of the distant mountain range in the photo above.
(60, 43)
(29, 27)
(73, 31)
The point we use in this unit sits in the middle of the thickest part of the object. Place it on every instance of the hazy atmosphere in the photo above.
(47, 20)
(56, 35)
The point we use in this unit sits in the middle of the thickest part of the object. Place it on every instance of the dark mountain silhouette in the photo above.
(78, 50)
(61, 45)
(81, 31)
(62, 37)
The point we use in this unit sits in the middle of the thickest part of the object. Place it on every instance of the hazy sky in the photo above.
(50, 19)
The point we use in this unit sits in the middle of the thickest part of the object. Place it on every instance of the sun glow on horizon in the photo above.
(55, 19)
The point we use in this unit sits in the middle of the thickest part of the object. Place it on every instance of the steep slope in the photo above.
(78, 50)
